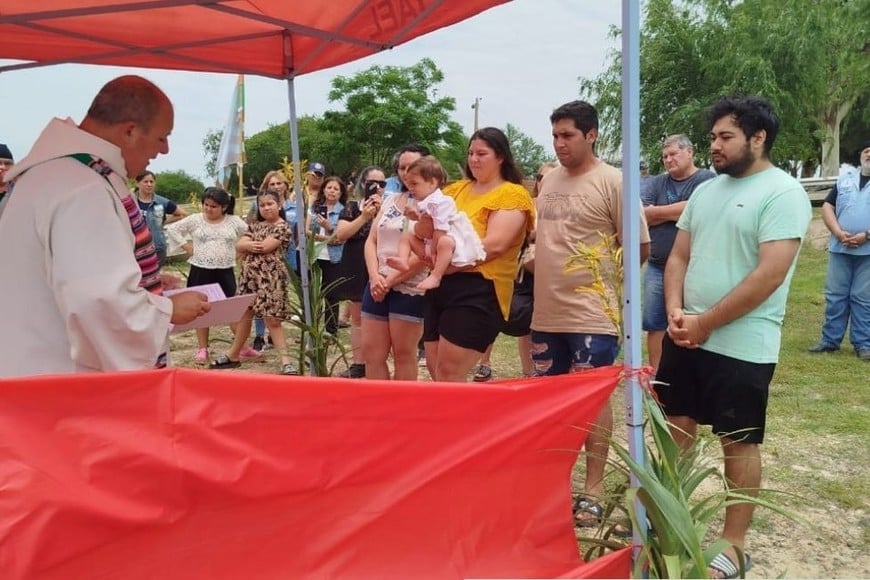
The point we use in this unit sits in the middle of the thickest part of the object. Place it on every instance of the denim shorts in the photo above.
(654, 315)
(395, 306)
(557, 353)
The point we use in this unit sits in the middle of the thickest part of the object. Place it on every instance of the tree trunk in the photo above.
(833, 117)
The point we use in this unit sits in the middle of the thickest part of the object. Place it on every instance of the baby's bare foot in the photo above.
(429, 283)
(397, 263)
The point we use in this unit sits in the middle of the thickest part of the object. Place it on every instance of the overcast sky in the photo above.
(522, 59)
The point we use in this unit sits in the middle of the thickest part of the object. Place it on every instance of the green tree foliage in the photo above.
(528, 154)
(385, 108)
(855, 130)
(178, 185)
(809, 58)
(211, 145)
(267, 149)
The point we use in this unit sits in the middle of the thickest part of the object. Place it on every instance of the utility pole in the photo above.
(476, 107)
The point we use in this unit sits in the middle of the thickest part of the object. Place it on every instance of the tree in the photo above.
(385, 108)
(528, 154)
(808, 58)
(267, 149)
(211, 145)
(178, 186)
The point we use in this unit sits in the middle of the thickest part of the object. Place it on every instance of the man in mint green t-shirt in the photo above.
(726, 284)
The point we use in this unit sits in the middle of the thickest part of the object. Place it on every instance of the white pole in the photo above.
(301, 209)
(633, 335)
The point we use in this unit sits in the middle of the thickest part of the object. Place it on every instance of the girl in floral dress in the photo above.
(264, 274)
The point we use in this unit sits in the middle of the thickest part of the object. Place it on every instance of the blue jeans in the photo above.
(558, 353)
(259, 327)
(847, 300)
(654, 315)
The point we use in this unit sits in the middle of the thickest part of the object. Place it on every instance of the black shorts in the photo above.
(713, 389)
(464, 310)
(226, 277)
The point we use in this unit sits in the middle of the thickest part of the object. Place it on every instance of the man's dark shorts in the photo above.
(713, 389)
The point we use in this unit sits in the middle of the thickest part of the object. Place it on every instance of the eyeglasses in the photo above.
(317, 174)
(380, 182)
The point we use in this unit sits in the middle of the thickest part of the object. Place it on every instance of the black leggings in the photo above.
(332, 273)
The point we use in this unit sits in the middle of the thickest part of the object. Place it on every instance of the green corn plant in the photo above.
(603, 261)
(315, 344)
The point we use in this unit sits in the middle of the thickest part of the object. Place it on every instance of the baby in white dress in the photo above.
(454, 241)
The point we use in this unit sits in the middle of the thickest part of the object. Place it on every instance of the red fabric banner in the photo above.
(196, 474)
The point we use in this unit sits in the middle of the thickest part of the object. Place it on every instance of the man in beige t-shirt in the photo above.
(580, 201)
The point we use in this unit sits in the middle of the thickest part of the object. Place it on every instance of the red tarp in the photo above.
(275, 38)
(196, 474)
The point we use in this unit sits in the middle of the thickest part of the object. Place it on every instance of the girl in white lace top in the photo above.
(210, 240)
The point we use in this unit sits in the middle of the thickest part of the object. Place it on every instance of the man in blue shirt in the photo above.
(664, 197)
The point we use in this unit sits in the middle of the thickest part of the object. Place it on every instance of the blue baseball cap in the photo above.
(317, 167)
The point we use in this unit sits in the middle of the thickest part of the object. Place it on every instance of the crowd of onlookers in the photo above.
(427, 276)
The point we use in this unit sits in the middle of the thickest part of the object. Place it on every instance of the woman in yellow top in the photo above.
(468, 310)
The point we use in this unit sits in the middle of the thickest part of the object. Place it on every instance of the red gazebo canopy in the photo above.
(273, 38)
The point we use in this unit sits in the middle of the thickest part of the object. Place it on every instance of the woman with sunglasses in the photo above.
(353, 228)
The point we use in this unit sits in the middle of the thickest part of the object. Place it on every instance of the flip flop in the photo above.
(727, 567)
(224, 362)
(588, 506)
(585, 505)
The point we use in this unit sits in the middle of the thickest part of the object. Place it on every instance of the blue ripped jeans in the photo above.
(558, 353)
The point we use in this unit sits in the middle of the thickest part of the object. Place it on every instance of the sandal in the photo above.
(224, 362)
(586, 506)
(248, 353)
(727, 567)
(289, 369)
(482, 374)
(201, 356)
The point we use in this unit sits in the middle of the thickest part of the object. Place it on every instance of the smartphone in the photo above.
(370, 189)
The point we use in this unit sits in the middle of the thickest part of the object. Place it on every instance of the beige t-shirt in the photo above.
(571, 210)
